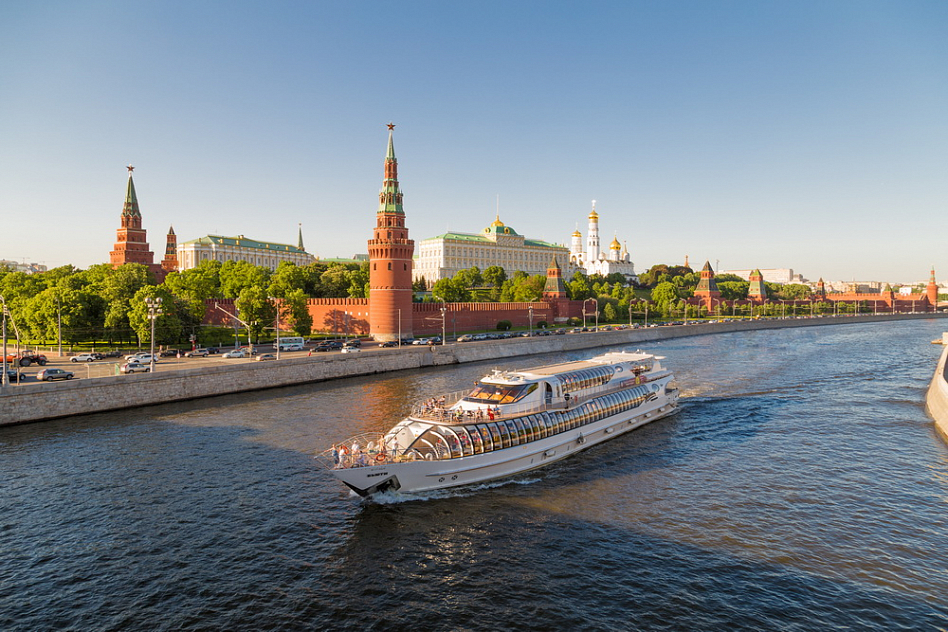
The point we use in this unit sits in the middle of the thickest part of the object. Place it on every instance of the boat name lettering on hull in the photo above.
(376, 474)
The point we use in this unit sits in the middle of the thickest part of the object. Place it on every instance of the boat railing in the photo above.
(370, 449)
(438, 409)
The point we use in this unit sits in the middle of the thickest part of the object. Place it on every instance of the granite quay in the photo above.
(36, 402)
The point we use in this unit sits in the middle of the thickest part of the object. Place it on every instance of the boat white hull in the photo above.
(421, 476)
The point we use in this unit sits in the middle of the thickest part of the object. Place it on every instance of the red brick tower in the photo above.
(707, 291)
(757, 292)
(131, 245)
(932, 290)
(555, 288)
(170, 262)
(821, 289)
(390, 260)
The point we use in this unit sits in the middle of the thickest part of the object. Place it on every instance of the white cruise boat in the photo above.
(511, 422)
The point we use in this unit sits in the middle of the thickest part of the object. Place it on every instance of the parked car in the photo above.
(48, 375)
(265, 356)
(142, 358)
(197, 353)
(84, 357)
(420, 341)
(328, 345)
(389, 343)
(351, 349)
(135, 367)
(236, 353)
(14, 376)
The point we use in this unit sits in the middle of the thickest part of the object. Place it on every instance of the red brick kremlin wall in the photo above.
(352, 315)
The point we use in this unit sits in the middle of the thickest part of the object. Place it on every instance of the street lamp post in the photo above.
(154, 311)
(399, 329)
(531, 320)
(444, 331)
(646, 314)
(277, 326)
(59, 323)
(6, 378)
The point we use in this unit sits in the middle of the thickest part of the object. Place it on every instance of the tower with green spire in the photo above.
(390, 259)
(131, 244)
(707, 290)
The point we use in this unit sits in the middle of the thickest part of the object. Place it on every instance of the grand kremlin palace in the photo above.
(240, 248)
(497, 245)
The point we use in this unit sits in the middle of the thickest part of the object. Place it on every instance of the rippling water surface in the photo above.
(801, 487)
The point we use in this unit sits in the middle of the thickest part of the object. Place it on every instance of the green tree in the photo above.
(609, 313)
(288, 277)
(294, 311)
(238, 275)
(495, 276)
(167, 324)
(256, 310)
(733, 290)
(664, 293)
(450, 291)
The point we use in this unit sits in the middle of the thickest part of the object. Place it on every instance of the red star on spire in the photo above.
(391, 126)
(130, 169)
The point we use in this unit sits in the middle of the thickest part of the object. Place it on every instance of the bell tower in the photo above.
(390, 259)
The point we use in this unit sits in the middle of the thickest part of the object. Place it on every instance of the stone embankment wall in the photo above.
(35, 402)
(936, 400)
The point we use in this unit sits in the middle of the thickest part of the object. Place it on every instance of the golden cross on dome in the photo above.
(391, 126)
(130, 169)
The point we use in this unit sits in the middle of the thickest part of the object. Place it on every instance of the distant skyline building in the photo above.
(445, 255)
(783, 276)
(592, 260)
(28, 268)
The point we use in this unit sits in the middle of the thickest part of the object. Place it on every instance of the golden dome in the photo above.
(497, 222)
(576, 233)
(615, 245)
(594, 216)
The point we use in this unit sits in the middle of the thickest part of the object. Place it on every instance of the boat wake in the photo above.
(395, 498)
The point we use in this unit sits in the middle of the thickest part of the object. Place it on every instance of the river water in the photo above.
(801, 487)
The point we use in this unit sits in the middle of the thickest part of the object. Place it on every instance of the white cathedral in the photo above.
(593, 260)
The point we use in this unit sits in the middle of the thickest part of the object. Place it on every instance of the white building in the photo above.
(497, 245)
(783, 276)
(240, 248)
(593, 260)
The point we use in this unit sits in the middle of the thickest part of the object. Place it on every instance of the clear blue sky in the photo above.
(810, 135)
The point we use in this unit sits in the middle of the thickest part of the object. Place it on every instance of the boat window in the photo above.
(504, 434)
(513, 435)
(485, 435)
(500, 393)
(549, 420)
(533, 427)
(467, 446)
(434, 442)
(451, 439)
(522, 428)
(476, 442)
(562, 422)
(543, 425)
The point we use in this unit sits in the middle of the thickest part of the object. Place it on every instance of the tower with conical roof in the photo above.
(707, 290)
(555, 288)
(390, 259)
(300, 241)
(615, 248)
(170, 261)
(131, 245)
(757, 291)
(592, 237)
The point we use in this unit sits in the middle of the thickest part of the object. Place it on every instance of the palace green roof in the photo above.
(244, 242)
(483, 239)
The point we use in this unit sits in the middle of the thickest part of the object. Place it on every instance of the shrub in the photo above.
(542, 324)
(504, 325)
